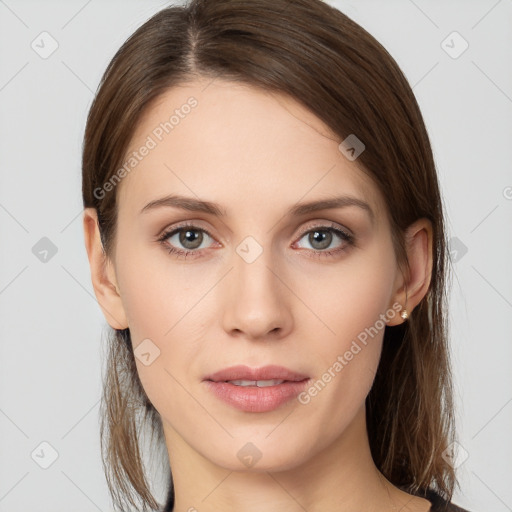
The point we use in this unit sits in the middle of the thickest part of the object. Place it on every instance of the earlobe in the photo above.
(102, 273)
(414, 286)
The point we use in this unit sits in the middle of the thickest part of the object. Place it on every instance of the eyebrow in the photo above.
(197, 205)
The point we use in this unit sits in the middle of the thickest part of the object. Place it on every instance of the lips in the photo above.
(258, 383)
(241, 372)
(256, 389)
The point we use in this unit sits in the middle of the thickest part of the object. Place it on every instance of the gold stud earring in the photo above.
(404, 314)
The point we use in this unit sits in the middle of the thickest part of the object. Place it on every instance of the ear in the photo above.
(102, 273)
(410, 289)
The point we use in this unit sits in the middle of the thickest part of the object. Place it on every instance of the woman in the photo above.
(265, 232)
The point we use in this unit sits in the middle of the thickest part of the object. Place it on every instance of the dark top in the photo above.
(438, 503)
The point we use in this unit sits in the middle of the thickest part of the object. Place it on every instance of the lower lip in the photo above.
(255, 399)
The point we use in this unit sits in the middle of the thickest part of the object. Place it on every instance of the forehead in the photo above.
(237, 144)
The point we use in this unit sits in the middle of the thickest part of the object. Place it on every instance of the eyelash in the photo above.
(346, 237)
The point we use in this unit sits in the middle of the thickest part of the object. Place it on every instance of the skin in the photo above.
(257, 154)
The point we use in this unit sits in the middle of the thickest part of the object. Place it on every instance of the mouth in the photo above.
(256, 390)
(242, 373)
(258, 383)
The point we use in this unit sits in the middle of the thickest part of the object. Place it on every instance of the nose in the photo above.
(256, 304)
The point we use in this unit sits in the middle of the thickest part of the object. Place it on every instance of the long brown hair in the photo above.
(332, 66)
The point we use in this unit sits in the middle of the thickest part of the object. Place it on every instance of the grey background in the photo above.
(51, 327)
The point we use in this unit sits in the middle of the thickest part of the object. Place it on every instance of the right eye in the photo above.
(190, 237)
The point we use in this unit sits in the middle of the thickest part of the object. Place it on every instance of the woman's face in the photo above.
(263, 285)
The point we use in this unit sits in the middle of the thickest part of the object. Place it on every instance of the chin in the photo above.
(259, 454)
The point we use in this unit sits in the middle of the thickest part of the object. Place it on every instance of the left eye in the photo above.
(321, 238)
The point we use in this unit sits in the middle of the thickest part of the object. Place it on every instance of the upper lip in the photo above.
(242, 372)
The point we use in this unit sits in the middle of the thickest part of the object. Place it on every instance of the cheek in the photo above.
(156, 301)
(157, 294)
(353, 307)
(351, 299)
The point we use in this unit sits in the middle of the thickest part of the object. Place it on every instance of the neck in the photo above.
(340, 477)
